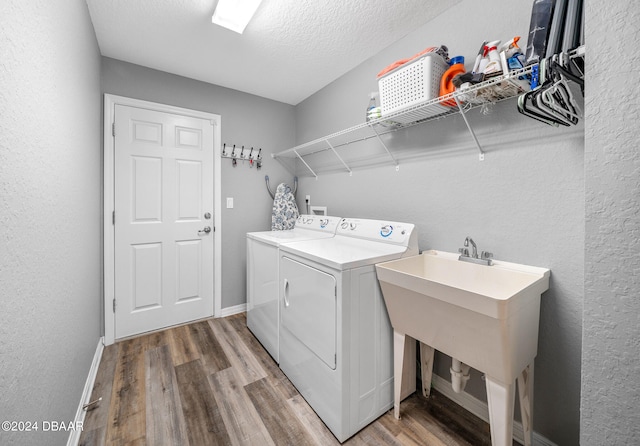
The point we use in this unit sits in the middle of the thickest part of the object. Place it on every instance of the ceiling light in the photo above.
(235, 14)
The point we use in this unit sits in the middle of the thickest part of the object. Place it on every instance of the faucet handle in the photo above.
(464, 251)
(487, 256)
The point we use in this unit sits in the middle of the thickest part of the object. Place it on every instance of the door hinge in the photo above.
(114, 305)
(113, 217)
(113, 129)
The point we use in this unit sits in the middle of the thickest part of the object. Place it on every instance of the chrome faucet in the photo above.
(474, 253)
(484, 259)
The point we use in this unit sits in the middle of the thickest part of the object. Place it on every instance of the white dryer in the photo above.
(262, 274)
(336, 341)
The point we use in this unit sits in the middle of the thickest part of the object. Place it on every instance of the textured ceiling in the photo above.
(290, 50)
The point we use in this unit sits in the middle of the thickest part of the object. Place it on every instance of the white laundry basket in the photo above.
(411, 84)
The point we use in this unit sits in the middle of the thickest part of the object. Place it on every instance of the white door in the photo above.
(164, 244)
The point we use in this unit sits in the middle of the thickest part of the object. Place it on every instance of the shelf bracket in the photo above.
(305, 163)
(385, 148)
(473, 135)
(339, 157)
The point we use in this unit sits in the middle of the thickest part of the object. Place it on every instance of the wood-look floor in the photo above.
(212, 383)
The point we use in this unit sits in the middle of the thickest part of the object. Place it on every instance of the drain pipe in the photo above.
(459, 375)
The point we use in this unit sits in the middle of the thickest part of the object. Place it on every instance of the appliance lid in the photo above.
(307, 227)
(344, 253)
(293, 235)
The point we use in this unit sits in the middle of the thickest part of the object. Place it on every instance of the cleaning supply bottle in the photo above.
(372, 106)
(512, 55)
(479, 57)
(493, 65)
(446, 82)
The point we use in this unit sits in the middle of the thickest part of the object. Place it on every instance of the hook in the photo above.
(234, 162)
(224, 149)
(251, 158)
(272, 194)
(259, 152)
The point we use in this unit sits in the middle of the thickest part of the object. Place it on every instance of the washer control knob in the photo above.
(386, 230)
(352, 226)
(344, 225)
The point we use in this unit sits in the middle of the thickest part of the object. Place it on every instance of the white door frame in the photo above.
(110, 101)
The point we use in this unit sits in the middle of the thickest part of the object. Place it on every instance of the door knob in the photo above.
(206, 230)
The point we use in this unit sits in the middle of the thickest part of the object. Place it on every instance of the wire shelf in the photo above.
(490, 91)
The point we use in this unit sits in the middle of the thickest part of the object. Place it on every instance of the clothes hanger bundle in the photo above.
(552, 101)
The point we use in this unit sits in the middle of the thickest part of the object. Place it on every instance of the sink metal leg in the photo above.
(525, 392)
(500, 397)
(426, 367)
(404, 369)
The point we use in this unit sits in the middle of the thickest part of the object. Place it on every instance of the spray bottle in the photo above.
(493, 64)
(512, 55)
(476, 65)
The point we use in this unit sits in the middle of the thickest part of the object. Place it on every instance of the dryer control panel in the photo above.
(378, 230)
(318, 222)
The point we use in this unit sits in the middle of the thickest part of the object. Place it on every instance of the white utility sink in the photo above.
(485, 316)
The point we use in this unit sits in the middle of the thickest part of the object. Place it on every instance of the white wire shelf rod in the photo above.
(339, 157)
(385, 148)
(307, 165)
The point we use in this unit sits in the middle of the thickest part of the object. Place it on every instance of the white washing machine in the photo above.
(262, 274)
(336, 341)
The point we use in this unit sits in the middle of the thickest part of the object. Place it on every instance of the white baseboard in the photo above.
(481, 410)
(229, 311)
(74, 436)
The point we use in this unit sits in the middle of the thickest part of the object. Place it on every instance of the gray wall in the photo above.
(611, 336)
(524, 203)
(247, 120)
(50, 212)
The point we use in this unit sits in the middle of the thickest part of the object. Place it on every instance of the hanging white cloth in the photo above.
(285, 210)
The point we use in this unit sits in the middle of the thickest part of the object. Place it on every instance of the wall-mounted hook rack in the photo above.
(242, 153)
